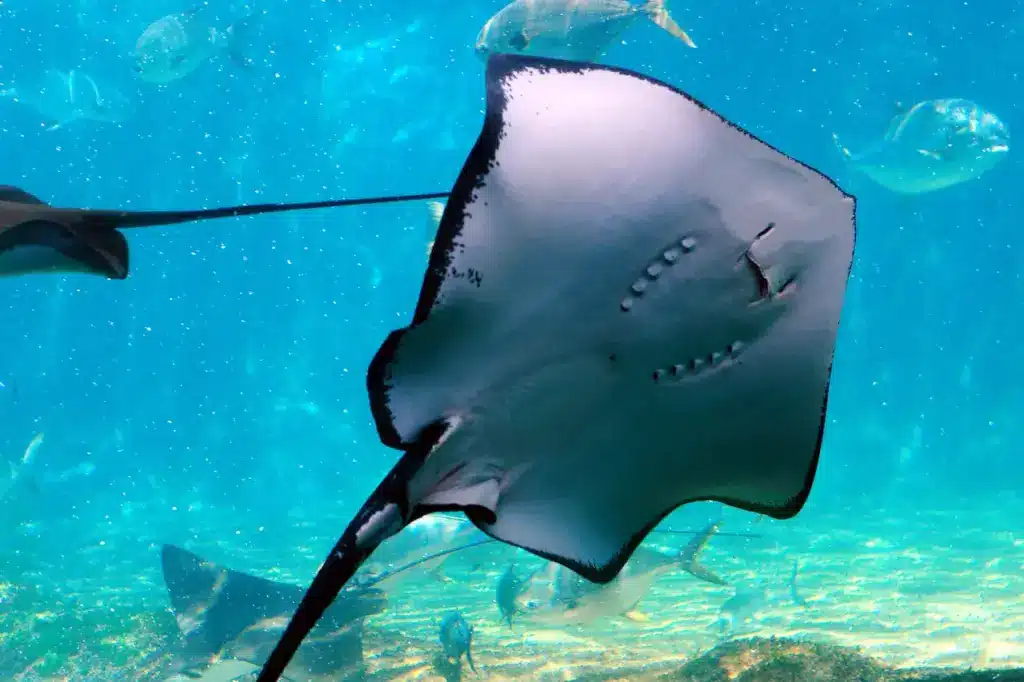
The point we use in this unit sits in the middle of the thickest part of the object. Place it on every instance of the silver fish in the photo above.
(174, 46)
(568, 29)
(933, 145)
(558, 596)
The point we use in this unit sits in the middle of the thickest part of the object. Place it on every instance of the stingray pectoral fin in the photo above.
(43, 245)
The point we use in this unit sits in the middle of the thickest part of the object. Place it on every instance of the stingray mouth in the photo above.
(770, 283)
(695, 367)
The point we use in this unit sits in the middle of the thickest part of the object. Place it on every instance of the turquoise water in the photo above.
(216, 399)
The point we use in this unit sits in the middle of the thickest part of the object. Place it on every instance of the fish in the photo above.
(456, 637)
(580, 30)
(931, 146)
(175, 45)
(36, 238)
(21, 474)
(742, 607)
(558, 596)
(747, 601)
(225, 614)
(616, 320)
(62, 98)
(509, 589)
(553, 594)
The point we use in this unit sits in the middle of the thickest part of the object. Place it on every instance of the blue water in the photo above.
(216, 399)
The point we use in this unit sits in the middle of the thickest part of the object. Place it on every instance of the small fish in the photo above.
(510, 588)
(456, 638)
(174, 46)
(933, 145)
(582, 30)
(745, 603)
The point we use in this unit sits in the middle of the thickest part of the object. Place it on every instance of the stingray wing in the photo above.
(630, 304)
(36, 238)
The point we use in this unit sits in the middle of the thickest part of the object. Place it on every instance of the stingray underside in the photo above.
(630, 304)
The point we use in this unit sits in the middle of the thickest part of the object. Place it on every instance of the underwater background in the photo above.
(216, 400)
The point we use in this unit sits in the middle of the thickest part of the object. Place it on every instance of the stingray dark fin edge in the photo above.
(472, 175)
(501, 65)
(378, 384)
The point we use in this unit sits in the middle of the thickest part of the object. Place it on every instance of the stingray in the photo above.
(38, 238)
(223, 613)
(630, 304)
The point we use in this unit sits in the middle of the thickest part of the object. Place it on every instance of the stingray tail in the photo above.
(660, 16)
(384, 514)
(128, 219)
